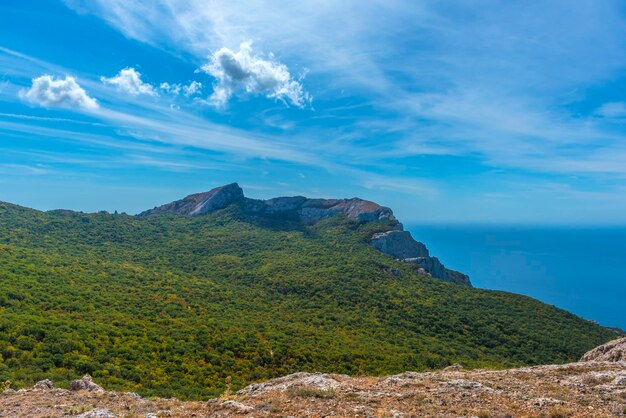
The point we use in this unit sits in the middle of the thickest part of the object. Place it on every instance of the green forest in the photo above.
(170, 305)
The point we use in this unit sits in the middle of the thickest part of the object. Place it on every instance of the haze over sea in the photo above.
(580, 269)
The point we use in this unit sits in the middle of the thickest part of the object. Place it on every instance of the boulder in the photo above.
(86, 383)
(318, 381)
(612, 351)
(44, 385)
(97, 413)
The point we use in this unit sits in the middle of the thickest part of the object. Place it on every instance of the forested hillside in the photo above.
(179, 306)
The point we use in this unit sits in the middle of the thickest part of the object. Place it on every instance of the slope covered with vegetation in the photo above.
(177, 306)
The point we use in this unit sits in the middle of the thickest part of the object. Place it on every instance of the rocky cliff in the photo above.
(201, 203)
(308, 211)
(396, 242)
(401, 245)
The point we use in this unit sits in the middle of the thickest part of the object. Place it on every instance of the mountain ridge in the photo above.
(395, 242)
(309, 210)
(187, 306)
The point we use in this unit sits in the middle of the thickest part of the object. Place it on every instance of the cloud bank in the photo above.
(129, 81)
(242, 72)
(46, 91)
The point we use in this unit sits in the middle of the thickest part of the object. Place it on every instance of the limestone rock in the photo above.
(308, 211)
(399, 244)
(97, 413)
(454, 367)
(200, 203)
(86, 383)
(318, 381)
(468, 384)
(44, 385)
(237, 406)
(612, 351)
(395, 242)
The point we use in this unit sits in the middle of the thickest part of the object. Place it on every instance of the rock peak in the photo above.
(200, 203)
(308, 211)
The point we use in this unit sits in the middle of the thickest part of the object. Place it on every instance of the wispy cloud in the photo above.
(493, 84)
(612, 110)
(23, 170)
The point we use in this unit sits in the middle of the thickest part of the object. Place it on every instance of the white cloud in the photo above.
(612, 110)
(189, 90)
(170, 88)
(47, 91)
(242, 71)
(129, 80)
(193, 88)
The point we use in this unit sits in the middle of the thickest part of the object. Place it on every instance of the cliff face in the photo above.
(309, 211)
(201, 203)
(396, 242)
(401, 245)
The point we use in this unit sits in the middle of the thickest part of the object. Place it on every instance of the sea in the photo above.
(580, 269)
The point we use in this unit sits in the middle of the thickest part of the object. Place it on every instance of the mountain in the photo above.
(218, 290)
(396, 242)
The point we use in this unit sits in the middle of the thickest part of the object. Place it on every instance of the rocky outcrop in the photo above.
(317, 381)
(586, 389)
(401, 245)
(45, 384)
(86, 383)
(201, 203)
(308, 211)
(97, 413)
(612, 351)
(396, 242)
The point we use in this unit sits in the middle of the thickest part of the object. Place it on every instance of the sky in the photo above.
(477, 111)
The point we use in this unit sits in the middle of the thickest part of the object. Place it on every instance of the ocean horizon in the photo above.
(578, 268)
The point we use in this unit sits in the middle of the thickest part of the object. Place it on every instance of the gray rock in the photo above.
(612, 351)
(237, 406)
(85, 383)
(399, 244)
(44, 385)
(395, 242)
(98, 413)
(200, 203)
(542, 402)
(308, 211)
(309, 380)
(468, 384)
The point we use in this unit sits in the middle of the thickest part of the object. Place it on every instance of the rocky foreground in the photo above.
(592, 388)
(572, 390)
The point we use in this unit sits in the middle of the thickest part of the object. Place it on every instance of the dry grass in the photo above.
(546, 392)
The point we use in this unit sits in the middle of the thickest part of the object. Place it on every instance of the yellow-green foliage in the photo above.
(176, 306)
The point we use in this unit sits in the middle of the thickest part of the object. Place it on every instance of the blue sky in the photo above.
(446, 111)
